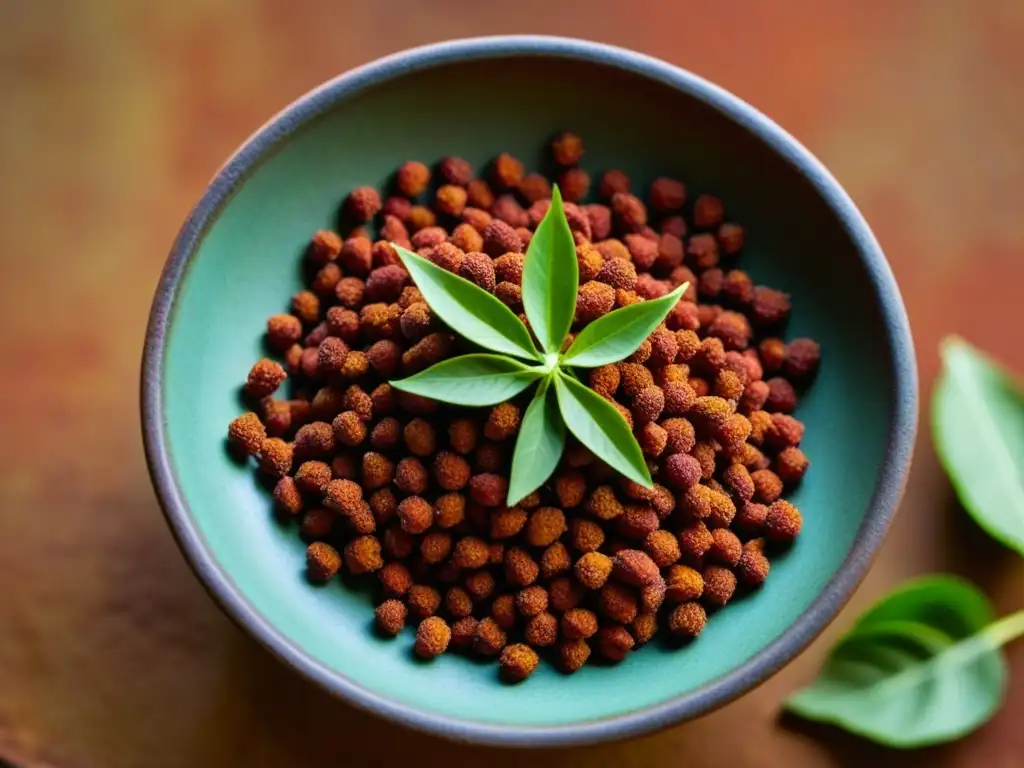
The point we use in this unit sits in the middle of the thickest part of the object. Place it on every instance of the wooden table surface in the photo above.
(115, 114)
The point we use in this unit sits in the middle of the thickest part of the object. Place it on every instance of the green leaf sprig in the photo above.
(515, 362)
(925, 664)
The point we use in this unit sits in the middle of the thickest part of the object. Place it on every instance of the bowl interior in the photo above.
(247, 265)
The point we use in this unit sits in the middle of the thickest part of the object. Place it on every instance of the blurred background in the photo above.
(115, 114)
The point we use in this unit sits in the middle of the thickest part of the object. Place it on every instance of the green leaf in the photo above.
(473, 380)
(468, 309)
(978, 428)
(539, 445)
(551, 277)
(617, 335)
(923, 666)
(596, 424)
(925, 600)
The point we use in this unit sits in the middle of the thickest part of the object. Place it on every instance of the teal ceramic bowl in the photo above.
(236, 262)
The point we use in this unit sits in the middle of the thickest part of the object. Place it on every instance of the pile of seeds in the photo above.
(410, 492)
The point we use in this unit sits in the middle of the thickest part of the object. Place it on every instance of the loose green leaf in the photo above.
(978, 428)
(601, 428)
(923, 666)
(468, 309)
(473, 380)
(927, 600)
(539, 445)
(551, 277)
(617, 335)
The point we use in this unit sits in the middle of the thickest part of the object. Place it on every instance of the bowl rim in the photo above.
(219, 584)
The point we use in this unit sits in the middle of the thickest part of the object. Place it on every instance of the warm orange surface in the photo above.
(115, 114)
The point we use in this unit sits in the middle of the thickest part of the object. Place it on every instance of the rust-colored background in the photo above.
(115, 114)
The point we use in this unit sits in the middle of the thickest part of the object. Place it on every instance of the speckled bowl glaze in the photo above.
(236, 261)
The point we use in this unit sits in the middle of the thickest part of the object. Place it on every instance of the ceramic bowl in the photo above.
(236, 261)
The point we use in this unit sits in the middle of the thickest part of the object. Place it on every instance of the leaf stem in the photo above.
(1005, 630)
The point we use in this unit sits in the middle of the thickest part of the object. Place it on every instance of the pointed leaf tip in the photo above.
(539, 445)
(615, 336)
(551, 277)
(595, 423)
(472, 380)
(468, 309)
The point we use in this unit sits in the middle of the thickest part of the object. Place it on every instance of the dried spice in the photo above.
(385, 483)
